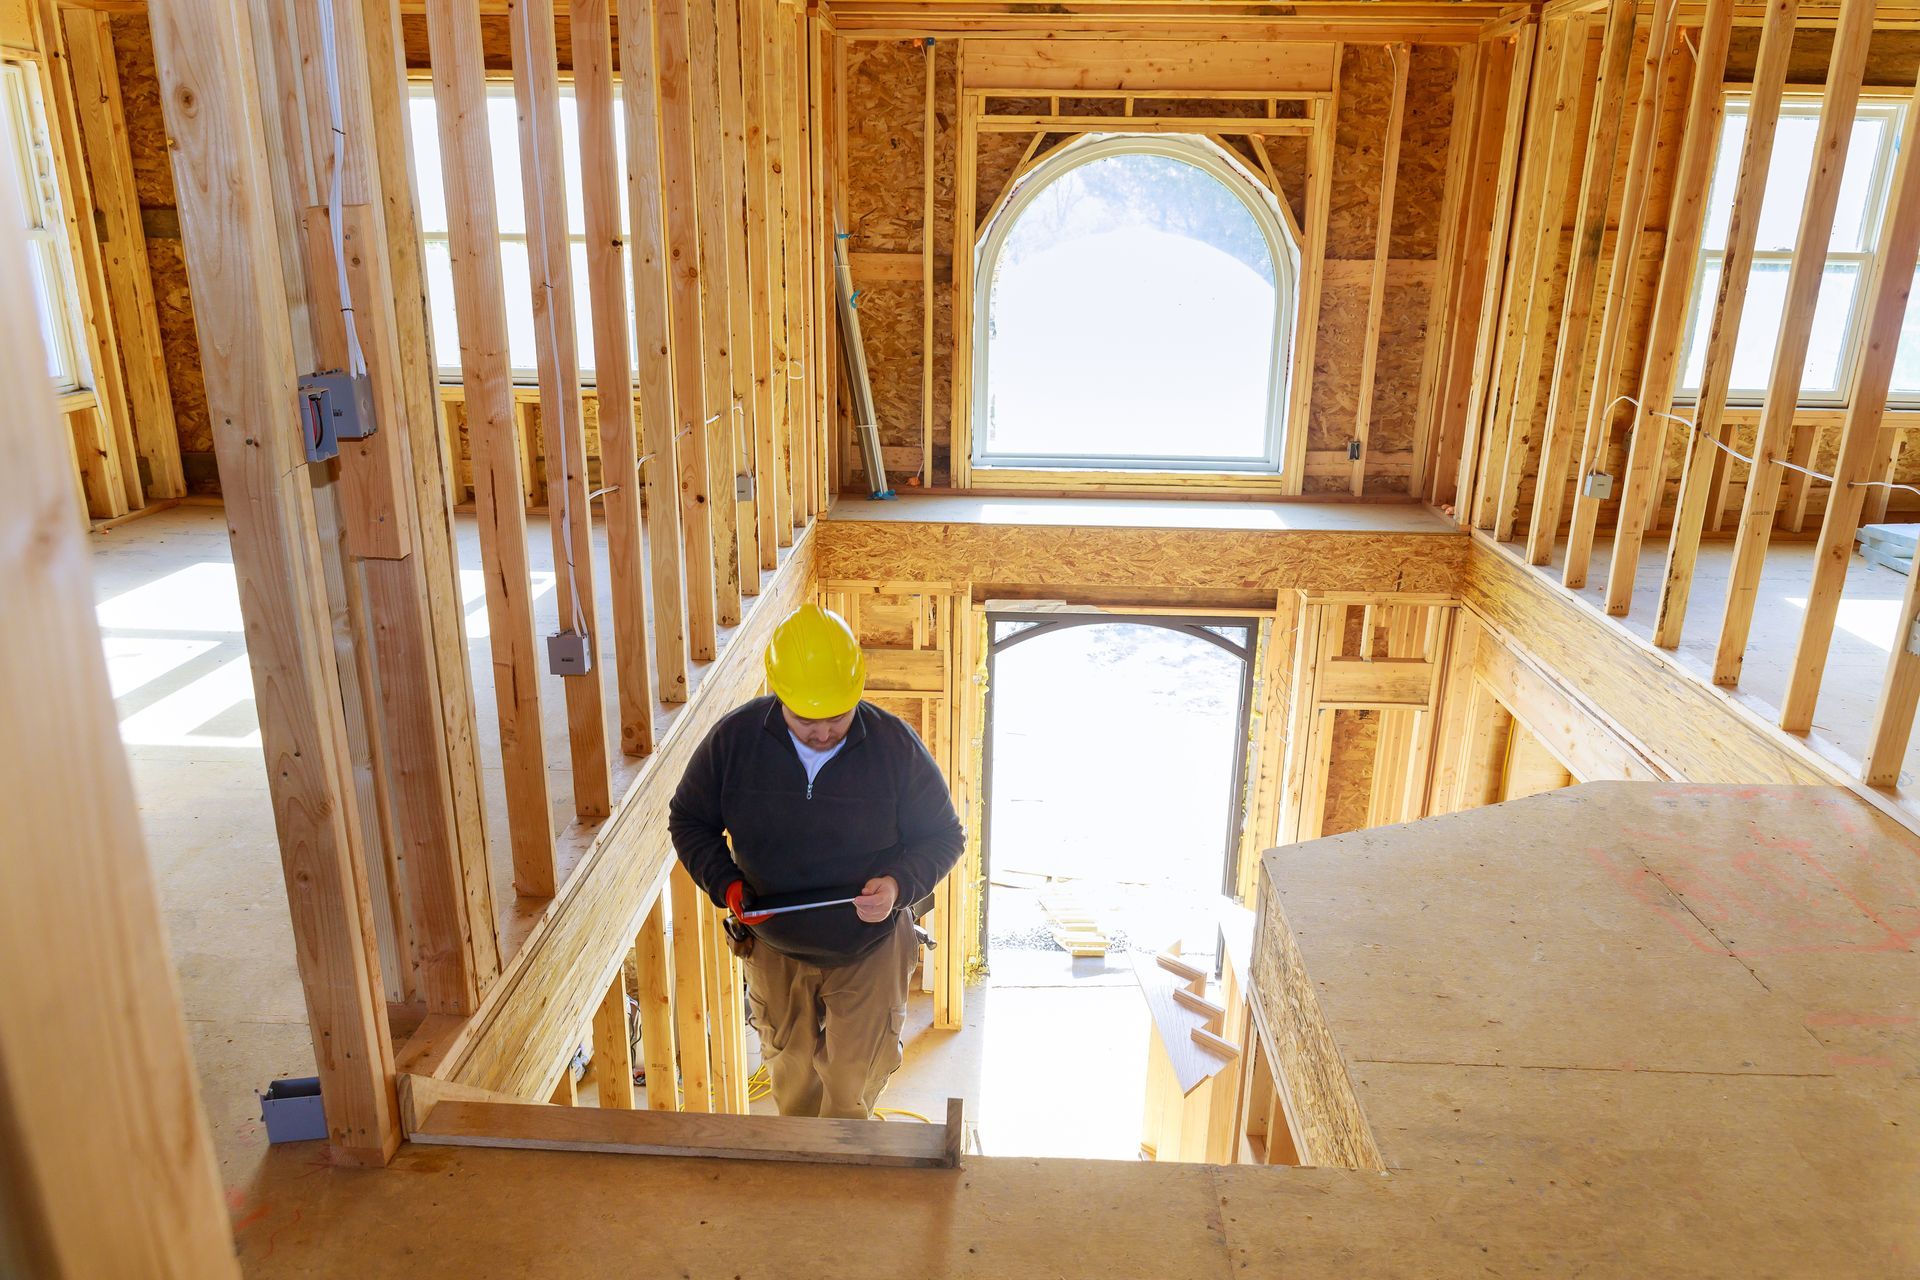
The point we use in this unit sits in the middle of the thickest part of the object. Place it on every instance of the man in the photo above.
(816, 791)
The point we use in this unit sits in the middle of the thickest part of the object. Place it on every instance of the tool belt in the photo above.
(739, 938)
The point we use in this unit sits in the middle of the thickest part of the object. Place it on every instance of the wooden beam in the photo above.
(536, 92)
(612, 374)
(613, 1048)
(716, 321)
(742, 329)
(1402, 55)
(1306, 329)
(690, 991)
(692, 431)
(931, 61)
(123, 247)
(523, 1126)
(778, 85)
(1444, 288)
(761, 276)
(1041, 66)
(1693, 177)
(654, 993)
(640, 100)
(1773, 435)
(1893, 259)
(91, 1001)
(1743, 230)
(1615, 315)
(213, 117)
(1589, 235)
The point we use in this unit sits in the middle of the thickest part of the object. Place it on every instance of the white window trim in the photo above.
(1852, 343)
(44, 223)
(1210, 158)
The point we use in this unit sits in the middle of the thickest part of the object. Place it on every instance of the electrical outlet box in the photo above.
(1598, 485)
(743, 488)
(1913, 638)
(567, 654)
(348, 399)
(1353, 451)
(316, 421)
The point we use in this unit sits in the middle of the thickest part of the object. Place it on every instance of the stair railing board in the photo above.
(640, 102)
(1887, 297)
(1616, 315)
(1588, 239)
(599, 168)
(1846, 71)
(1743, 229)
(459, 81)
(1693, 176)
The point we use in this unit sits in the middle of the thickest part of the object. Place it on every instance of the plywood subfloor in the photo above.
(1148, 513)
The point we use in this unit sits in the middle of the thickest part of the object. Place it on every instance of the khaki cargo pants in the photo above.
(831, 1037)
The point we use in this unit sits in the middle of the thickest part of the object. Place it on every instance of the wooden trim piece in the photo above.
(536, 91)
(641, 103)
(1589, 234)
(1693, 176)
(1894, 257)
(692, 434)
(613, 382)
(90, 1002)
(1615, 317)
(1773, 435)
(524, 1126)
(1402, 55)
(214, 118)
(1743, 229)
(1326, 119)
(459, 87)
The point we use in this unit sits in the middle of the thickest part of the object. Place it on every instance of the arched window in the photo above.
(1134, 309)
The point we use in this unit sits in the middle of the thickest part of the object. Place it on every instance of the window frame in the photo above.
(1206, 155)
(44, 224)
(1807, 103)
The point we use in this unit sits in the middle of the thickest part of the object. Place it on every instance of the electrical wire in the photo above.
(1693, 428)
(553, 341)
(336, 213)
(901, 1111)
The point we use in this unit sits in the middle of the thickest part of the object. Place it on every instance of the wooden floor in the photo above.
(1613, 1031)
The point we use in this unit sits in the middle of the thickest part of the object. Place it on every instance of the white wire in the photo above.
(553, 341)
(356, 359)
(1731, 452)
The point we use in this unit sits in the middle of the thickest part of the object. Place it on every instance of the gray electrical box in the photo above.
(743, 488)
(335, 406)
(567, 654)
(1598, 486)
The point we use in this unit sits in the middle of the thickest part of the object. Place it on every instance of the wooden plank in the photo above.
(1560, 718)
(1743, 229)
(1893, 714)
(1379, 682)
(690, 991)
(123, 247)
(612, 1049)
(1615, 317)
(1468, 80)
(716, 322)
(777, 86)
(726, 1017)
(536, 91)
(927, 126)
(692, 433)
(87, 923)
(612, 374)
(740, 313)
(907, 670)
(1167, 66)
(1326, 119)
(213, 118)
(1692, 178)
(1402, 56)
(1886, 308)
(522, 1126)
(761, 274)
(654, 993)
(1772, 435)
(641, 101)
(1589, 235)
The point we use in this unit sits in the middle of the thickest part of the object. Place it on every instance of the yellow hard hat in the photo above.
(814, 664)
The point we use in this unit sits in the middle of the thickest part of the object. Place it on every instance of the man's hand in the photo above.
(877, 899)
(737, 901)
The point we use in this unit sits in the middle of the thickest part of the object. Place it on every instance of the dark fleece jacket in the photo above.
(879, 807)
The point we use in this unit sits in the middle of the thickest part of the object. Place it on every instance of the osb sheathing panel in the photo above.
(998, 156)
(1336, 366)
(946, 172)
(1195, 562)
(1893, 57)
(890, 327)
(1366, 96)
(886, 106)
(166, 258)
(1421, 176)
(1356, 735)
(1403, 334)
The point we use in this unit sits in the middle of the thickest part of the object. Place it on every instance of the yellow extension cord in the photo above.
(759, 1085)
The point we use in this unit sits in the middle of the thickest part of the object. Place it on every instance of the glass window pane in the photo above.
(1853, 225)
(1906, 362)
(518, 283)
(1760, 330)
(1131, 313)
(582, 311)
(43, 270)
(446, 328)
(1832, 317)
(424, 127)
(1726, 172)
(503, 132)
